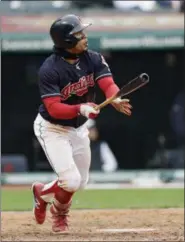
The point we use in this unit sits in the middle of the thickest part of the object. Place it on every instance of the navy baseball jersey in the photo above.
(74, 83)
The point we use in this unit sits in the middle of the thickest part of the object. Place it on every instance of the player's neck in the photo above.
(67, 55)
(71, 56)
(71, 61)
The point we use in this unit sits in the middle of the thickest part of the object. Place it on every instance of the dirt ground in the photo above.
(167, 225)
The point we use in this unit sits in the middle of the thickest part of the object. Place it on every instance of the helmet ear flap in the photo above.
(71, 42)
(68, 41)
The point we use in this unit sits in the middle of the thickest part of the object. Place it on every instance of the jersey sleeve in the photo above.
(101, 68)
(48, 83)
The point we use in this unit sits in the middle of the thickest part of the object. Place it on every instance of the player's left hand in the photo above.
(88, 110)
(123, 106)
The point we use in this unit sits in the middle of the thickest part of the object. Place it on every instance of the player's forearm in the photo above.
(59, 110)
(63, 111)
(108, 86)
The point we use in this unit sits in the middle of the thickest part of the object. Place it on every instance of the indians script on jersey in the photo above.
(78, 88)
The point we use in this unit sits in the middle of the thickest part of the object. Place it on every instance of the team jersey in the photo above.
(74, 83)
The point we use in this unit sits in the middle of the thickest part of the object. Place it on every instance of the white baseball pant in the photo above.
(67, 150)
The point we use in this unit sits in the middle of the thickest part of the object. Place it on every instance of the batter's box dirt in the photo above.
(99, 225)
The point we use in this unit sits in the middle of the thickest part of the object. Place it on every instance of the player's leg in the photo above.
(58, 150)
(82, 156)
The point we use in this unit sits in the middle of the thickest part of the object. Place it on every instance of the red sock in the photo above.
(53, 190)
(63, 196)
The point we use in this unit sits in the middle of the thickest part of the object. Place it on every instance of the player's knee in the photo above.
(70, 180)
(83, 183)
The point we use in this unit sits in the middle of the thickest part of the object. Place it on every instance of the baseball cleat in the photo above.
(60, 221)
(40, 205)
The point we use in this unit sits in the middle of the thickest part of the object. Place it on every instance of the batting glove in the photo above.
(88, 110)
(122, 105)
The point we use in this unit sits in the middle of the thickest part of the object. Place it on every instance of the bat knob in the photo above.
(144, 77)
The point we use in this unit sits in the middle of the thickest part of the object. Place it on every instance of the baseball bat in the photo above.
(130, 87)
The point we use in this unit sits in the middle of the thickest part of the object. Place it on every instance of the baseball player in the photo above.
(67, 81)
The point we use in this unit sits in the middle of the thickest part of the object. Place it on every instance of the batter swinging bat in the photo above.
(130, 87)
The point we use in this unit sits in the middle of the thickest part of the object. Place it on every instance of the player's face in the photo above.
(82, 45)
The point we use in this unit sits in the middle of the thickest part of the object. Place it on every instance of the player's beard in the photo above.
(65, 54)
(86, 47)
(79, 49)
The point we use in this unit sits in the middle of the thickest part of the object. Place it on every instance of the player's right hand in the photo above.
(88, 110)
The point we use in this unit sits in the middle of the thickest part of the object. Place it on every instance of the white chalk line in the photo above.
(131, 230)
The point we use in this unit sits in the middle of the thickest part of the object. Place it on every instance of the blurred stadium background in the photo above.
(134, 37)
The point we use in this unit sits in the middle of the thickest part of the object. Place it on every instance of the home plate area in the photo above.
(99, 225)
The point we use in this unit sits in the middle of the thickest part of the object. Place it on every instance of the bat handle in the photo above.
(105, 103)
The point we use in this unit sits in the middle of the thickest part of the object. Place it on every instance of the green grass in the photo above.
(21, 200)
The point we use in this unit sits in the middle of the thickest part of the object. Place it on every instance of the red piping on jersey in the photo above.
(60, 110)
(108, 86)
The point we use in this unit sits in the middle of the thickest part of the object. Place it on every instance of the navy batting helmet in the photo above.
(62, 31)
